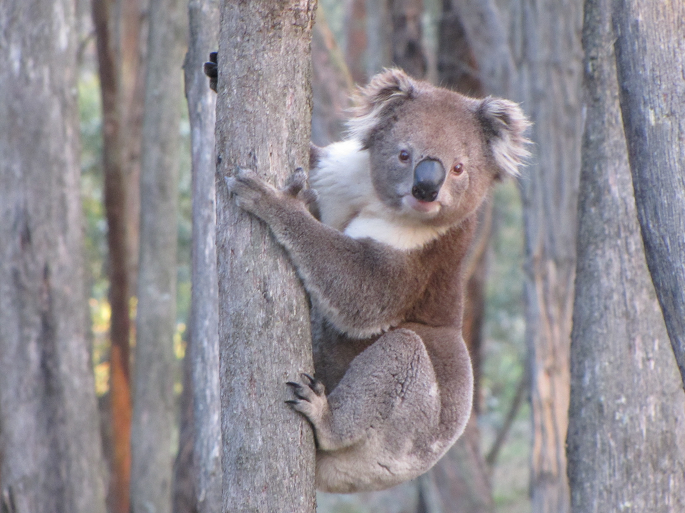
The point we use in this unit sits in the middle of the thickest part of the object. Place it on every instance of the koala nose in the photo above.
(428, 178)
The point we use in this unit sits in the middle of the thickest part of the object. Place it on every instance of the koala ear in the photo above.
(387, 88)
(504, 125)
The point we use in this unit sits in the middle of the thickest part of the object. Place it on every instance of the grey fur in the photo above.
(394, 380)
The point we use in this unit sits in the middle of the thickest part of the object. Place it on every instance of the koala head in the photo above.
(434, 153)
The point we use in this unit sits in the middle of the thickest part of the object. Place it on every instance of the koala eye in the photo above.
(458, 169)
(404, 156)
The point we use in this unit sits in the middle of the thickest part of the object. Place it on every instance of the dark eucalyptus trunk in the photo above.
(627, 401)
(153, 405)
(50, 449)
(650, 60)
(263, 123)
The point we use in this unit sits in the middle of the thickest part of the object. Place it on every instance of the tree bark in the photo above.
(331, 85)
(203, 348)
(406, 41)
(118, 27)
(153, 405)
(650, 59)
(263, 110)
(378, 36)
(355, 40)
(546, 43)
(50, 453)
(626, 435)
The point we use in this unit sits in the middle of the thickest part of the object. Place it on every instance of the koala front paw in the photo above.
(295, 187)
(249, 191)
(311, 398)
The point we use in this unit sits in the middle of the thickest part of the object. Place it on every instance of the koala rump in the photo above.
(382, 263)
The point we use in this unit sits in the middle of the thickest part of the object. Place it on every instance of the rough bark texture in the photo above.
(650, 59)
(263, 110)
(203, 348)
(331, 85)
(626, 438)
(118, 26)
(50, 454)
(153, 405)
(546, 42)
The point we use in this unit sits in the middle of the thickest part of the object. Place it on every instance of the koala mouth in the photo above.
(424, 207)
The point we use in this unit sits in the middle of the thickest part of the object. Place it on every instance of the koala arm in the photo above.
(347, 278)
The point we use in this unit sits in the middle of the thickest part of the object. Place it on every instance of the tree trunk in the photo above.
(650, 59)
(625, 439)
(50, 453)
(118, 26)
(331, 84)
(408, 52)
(546, 43)
(378, 36)
(203, 349)
(355, 40)
(263, 111)
(153, 405)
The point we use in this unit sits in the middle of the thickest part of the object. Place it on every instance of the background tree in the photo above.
(650, 58)
(119, 29)
(627, 404)
(263, 110)
(153, 405)
(545, 41)
(197, 471)
(50, 454)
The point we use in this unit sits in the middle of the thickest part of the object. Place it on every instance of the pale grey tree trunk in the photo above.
(626, 438)
(203, 348)
(650, 59)
(378, 36)
(153, 400)
(263, 123)
(545, 41)
(50, 453)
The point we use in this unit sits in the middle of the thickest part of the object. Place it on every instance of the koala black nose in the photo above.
(428, 178)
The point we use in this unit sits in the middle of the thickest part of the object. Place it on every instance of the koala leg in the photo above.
(381, 424)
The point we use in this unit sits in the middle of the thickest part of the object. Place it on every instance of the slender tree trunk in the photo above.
(50, 453)
(627, 402)
(406, 41)
(650, 58)
(203, 349)
(263, 111)
(355, 40)
(153, 405)
(331, 84)
(546, 43)
(117, 27)
(378, 36)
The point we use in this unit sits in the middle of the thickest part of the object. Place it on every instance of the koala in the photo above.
(382, 262)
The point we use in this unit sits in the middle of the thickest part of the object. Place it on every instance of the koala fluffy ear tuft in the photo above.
(386, 88)
(504, 125)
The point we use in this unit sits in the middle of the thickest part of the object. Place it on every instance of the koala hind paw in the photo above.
(310, 397)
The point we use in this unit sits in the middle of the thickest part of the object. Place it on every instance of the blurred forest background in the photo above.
(136, 153)
(504, 419)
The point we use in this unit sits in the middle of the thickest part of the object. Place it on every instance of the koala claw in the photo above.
(311, 399)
